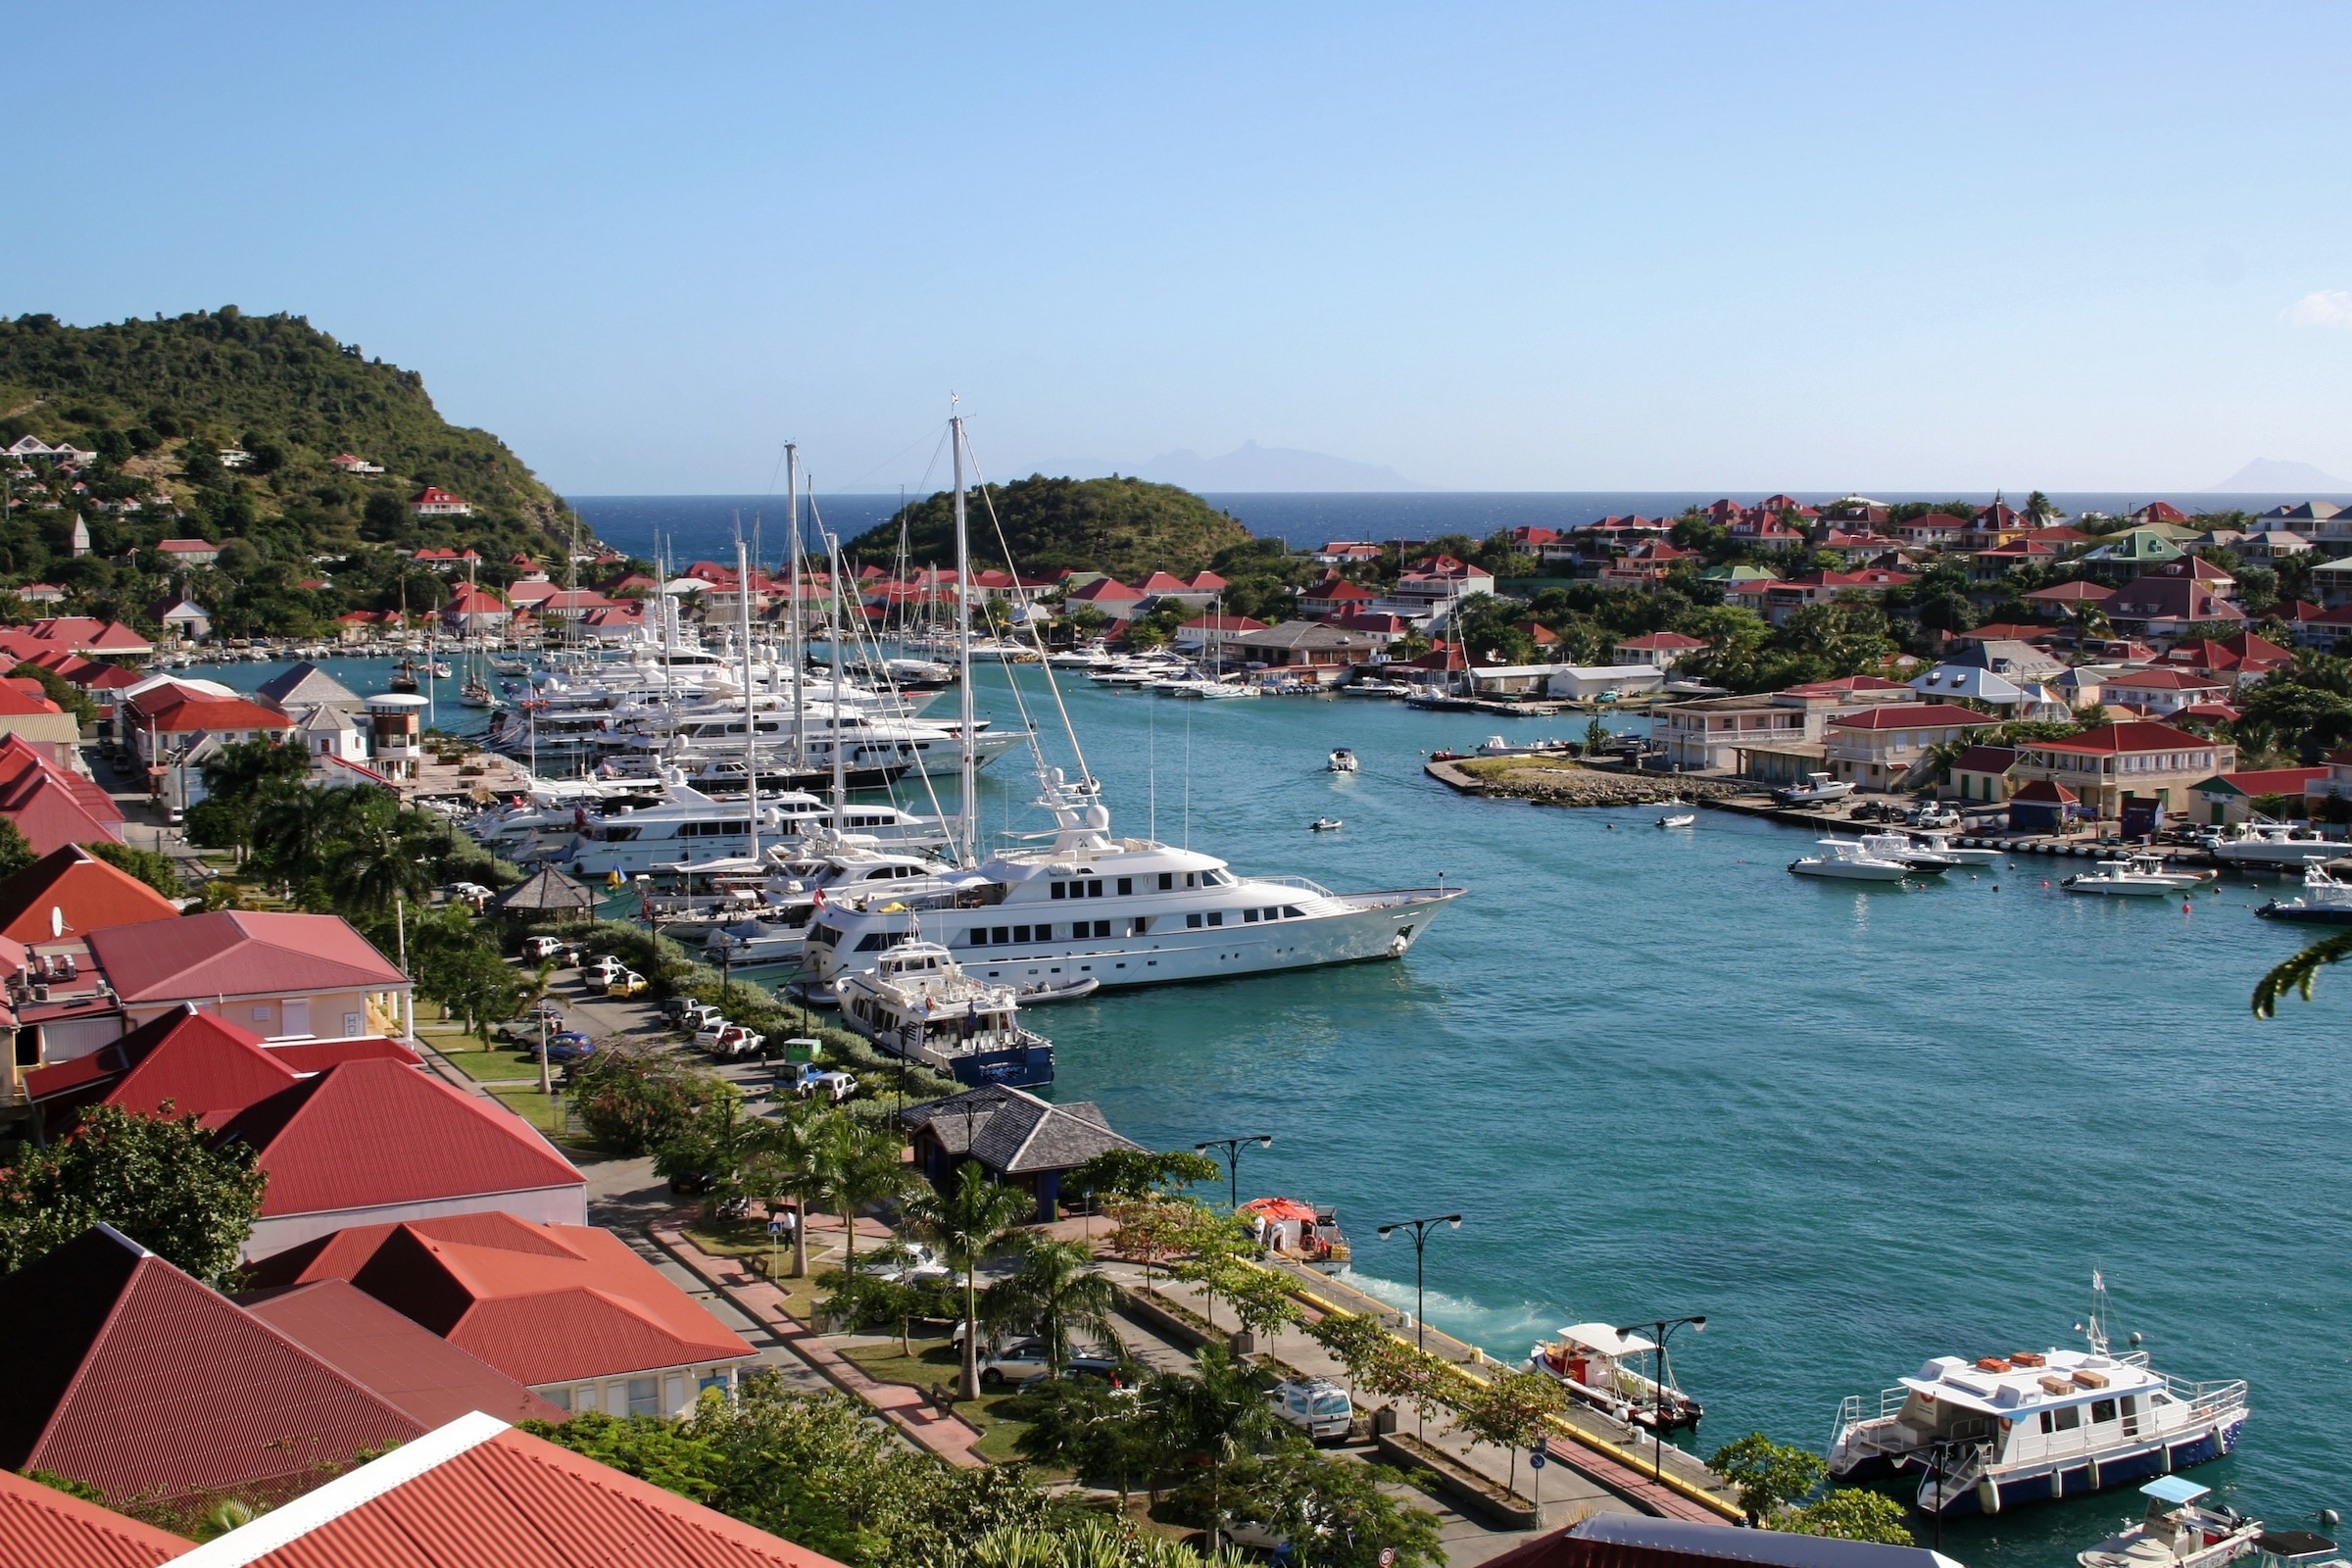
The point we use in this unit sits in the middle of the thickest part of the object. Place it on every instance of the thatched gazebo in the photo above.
(546, 890)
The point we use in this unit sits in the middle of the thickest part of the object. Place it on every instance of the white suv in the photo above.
(1317, 1406)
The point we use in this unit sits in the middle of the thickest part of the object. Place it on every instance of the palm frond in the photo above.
(2298, 973)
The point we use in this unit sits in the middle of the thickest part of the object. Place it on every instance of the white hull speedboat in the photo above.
(1600, 1367)
(1924, 859)
(2141, 876)
(2325, 900)
(1848, 862)
(2271, 844)
(2004, 1431)
(1342, 760)
(1819, 789)
(2179, 1530)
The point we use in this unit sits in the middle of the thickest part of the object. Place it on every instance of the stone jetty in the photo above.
(1564, 781)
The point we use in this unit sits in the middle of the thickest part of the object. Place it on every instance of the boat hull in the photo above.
(2073, 1479)
(1846, 871)
(2304, 915)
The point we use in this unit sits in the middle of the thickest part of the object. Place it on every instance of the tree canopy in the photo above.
(159, 1180)
(1126, 528)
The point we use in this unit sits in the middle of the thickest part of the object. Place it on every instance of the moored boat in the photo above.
(1849, 861)
(1817, 789)
(1307, 1232)
(2325, 900)
(2138, 876)
(2179, 1531)
(1600, 1366)
(918, 1004)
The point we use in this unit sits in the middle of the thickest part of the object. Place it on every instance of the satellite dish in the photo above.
(56, 921)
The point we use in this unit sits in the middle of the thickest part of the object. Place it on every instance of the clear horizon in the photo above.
(1524, 248)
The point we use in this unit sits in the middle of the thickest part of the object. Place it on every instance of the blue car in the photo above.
(570, 1046)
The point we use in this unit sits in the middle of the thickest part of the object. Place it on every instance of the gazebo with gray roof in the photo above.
(1019, 1139)
(546, 890)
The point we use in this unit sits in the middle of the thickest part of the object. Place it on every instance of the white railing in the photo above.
(1315, 888)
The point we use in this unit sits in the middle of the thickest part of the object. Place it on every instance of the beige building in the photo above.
(1875, 749)
(2140, 759)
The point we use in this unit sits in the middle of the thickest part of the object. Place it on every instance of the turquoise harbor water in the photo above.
(1659, 1075)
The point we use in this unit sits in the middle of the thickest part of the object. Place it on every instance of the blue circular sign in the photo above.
(1537, 1460)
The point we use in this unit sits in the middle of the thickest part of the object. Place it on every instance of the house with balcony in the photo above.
(1877, 748)
(2136, 759)
(2161, 693)
(1659, 649)
(434, 502)
(1776, 735)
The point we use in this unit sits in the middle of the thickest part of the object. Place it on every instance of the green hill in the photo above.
(159, 400)
(1126, 528)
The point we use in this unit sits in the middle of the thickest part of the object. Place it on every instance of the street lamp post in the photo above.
(1231, 1148)
(1420, 1229)
(1664, 1326)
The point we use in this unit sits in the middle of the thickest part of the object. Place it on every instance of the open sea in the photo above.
(1658, 1075)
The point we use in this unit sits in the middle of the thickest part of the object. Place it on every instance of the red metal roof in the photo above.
(2132, 735)
(241, 952)
(139, 1380)
(474, 1492)
(366, 1133)
(426, 1377)
(1910, 715)
(542, 1303)
(84, 893)
(42, 1527)
(52, 806)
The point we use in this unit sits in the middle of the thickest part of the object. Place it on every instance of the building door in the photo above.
(298, 1015)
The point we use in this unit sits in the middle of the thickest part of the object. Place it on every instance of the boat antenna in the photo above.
(2095, 1331)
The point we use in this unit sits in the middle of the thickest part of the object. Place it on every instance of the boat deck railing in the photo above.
(2205, 1399)
(1301, 883)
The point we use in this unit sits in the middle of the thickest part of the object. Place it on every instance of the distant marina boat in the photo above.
(2325, 900)
(1818, 789)
(1961, 854)
(1600, 1367)
(2140, 876)
(1925, 859)
(1342, 760)
(1325, 824)
(2270, 844)
(2006, 1430)
(1677, 815)
(916, 1003)
(2179, 1530)
(1849, 861)
(1307, 1232)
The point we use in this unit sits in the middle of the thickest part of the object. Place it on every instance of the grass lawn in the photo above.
(934, 1362)
(539, 1111)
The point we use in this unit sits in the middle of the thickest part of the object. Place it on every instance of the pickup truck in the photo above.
(808, 1081)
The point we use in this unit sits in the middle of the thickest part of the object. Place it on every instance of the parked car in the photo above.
(1316, 1406)
(1933, 813)
(541, 947)
(473, 893)
(809, 1081)
(917, 1262)
(570, 1046)
(604, 964)
(732, 1039)
(697, 1017)
(627, 983)
(1025, 1361)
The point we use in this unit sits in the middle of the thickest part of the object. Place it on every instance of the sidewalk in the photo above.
(905, 1408)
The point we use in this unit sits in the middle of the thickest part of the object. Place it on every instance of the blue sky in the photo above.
(1510, 247)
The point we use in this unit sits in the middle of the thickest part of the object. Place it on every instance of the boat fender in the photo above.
(2094, 1472)
(1989, 1496)
(2057, 1484)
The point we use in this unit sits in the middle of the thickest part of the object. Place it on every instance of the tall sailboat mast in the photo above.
(800, 663)
(841, 794)
(751, 724)
(967, 809)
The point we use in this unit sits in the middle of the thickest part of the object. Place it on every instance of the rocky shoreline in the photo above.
(1563, 782)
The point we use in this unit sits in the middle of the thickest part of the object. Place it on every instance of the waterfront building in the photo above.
(1982, 773)
(2139, 759)
(567, 1311)
(1211, 635)
(1302, 645)
(1660, 649)
(1878, 748)
(1019, 1139)
(2228, 798)
(1775, 736)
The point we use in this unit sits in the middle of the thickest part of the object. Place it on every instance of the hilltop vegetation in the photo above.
(159, 400)
(1126, 528)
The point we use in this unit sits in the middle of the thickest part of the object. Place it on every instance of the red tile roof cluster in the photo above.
(430, 1380)
(51, 804)
(71, 890)
(542, 1303)
(435, 557)
(41, 1525)
(132, 1376)
(70, 634)
(1104, 590)
(467, 600)
(476, 1490)
(241, 952)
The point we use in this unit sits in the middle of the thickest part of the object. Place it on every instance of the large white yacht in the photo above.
(1122, 911)
(2031, 1426)
(918, 1004)
(685, 826)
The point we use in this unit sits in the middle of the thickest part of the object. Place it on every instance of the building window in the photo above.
(645, 1396)
(560, 1398)
(587, 1396)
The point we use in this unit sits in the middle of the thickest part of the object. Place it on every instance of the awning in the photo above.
(1606, 1340)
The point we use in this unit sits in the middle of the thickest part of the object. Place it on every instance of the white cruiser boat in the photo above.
(1602, 1367)
(775, 929)
(2140, 876)
(1816, 790)
(918, 1004)
(2180, 1530)
(1849, 861)
(1909, 851)
(1959, 853)
(2271, 844)
(1123, 912)
(2006, 1430)
(2325, 902)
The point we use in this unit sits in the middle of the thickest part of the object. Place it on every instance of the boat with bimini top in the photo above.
(2180, 1530)
(1600, 1366)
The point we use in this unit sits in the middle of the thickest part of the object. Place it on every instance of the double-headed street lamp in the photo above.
(1420, 1230)
(1233, 1162)
(1663, 1326)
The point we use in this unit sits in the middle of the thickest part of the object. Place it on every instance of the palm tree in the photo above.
(967, 1223)
(1057, 1292)
(2298, 973)
(862, 1165)
(534, 994)
(789, 1161)
(381, 866)
(1217, 1415)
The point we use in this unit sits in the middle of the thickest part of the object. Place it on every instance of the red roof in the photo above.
(2274, 780)
(1340, 593)
(1985, 759)
(1668, 640)
(2043, 792)
(133, 1377)
(1910, 715)
(2134, 735)
(429, 1379)
(69, 889)
(41, 1525)
(188, 547)
(2162, 680)
(1208, 580)
(542, 1303)
(434, 495)
(241, 952)
(1222, 624)
(467, 600)
(478, 1491)
(369, 1133)
(1846, 686)
(2078, 592)
(1160, 582)
(52, 806)
(187, 712)
(200, 1063)
(1104, 589)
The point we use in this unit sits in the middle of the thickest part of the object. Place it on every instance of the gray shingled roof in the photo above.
(549, 889)
(1015, 1134)
(306, 683)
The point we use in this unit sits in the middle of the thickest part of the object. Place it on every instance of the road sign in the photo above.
(1538, 1461)
(775, 1227)
(1388, 1557)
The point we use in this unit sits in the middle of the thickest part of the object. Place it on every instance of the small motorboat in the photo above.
(1342, 760)
(1600, 1366)
(1325, 824)
(2181, 1532)
(1849, 861)
(1308, 1232)
(1678, 815)
(2140, 876)
(1819, 789)
(1922, 857)
(1039, 992)
(2325, 900)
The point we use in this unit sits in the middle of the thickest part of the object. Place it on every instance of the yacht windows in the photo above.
(1167, 880)
(1191, 879)
(1020, 932)
(1192, 921)
(1102, 928)
(2102, 1411)
(1057, 888)
(1126, 886)
(874, 941)
(1141, 925)
(1216, 918)
(1250, 917)
(2066, 1418)
(1290, 912)
(824, 936)
(2130, 1415)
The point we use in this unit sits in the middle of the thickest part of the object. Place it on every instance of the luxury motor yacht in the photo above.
(918, 1004)
(1121, 911)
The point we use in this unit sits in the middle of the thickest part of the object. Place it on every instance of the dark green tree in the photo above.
(159, 1180)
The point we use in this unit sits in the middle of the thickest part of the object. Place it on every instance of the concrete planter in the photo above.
(1182, 1328)
(1468, 1490)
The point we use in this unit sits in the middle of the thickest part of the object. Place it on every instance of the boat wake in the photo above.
(1503, 1333)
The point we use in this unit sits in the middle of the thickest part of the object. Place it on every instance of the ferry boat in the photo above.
(1126, 911)
(2007, 1430)
(1849, 861)
(1305, 1232)
(2180, 1531)
(2325, 900)
(1600, 1367)
(918, 1004)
